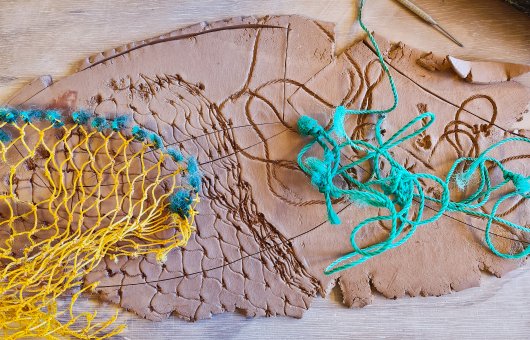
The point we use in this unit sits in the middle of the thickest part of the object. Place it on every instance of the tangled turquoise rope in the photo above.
(399, 188)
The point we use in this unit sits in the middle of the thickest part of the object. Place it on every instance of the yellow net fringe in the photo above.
(87, 202)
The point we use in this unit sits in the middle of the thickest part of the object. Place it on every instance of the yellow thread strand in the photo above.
(92, 195)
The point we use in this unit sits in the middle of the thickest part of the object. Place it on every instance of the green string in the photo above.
(396, 191)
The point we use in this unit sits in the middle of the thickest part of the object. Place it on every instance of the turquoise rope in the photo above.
(396, 191)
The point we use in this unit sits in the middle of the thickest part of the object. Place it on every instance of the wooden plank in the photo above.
(496, 310)
(50, 37)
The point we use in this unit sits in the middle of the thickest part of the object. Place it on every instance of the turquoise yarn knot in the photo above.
(320, 171)
(400, 185)
(521, 183)
(180, 203)
(319, 174)
(81, 117)
(308, 126)
(397, 192)
(321, 178)
(8, 115)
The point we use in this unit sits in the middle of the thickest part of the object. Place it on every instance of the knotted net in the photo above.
(71, 194)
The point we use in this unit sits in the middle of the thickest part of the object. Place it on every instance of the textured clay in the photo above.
(230, 92)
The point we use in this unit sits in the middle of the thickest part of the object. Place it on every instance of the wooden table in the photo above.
(50, 37)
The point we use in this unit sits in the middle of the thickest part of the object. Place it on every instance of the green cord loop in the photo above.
(397, 190)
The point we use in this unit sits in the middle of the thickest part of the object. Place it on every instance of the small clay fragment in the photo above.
(485, 72)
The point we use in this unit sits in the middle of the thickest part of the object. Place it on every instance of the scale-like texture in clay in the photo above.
(230, 93)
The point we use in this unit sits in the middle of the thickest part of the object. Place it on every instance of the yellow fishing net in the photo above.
(71, 194)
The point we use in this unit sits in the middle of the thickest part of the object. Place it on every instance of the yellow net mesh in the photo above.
(71, 195)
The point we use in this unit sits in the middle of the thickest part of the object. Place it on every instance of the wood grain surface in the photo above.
(51, 37)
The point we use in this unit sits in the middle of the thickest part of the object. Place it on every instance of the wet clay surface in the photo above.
(230, 92)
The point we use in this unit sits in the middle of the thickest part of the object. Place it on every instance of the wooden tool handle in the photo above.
(418, 11)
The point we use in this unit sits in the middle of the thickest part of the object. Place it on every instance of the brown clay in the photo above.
(230, 92)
